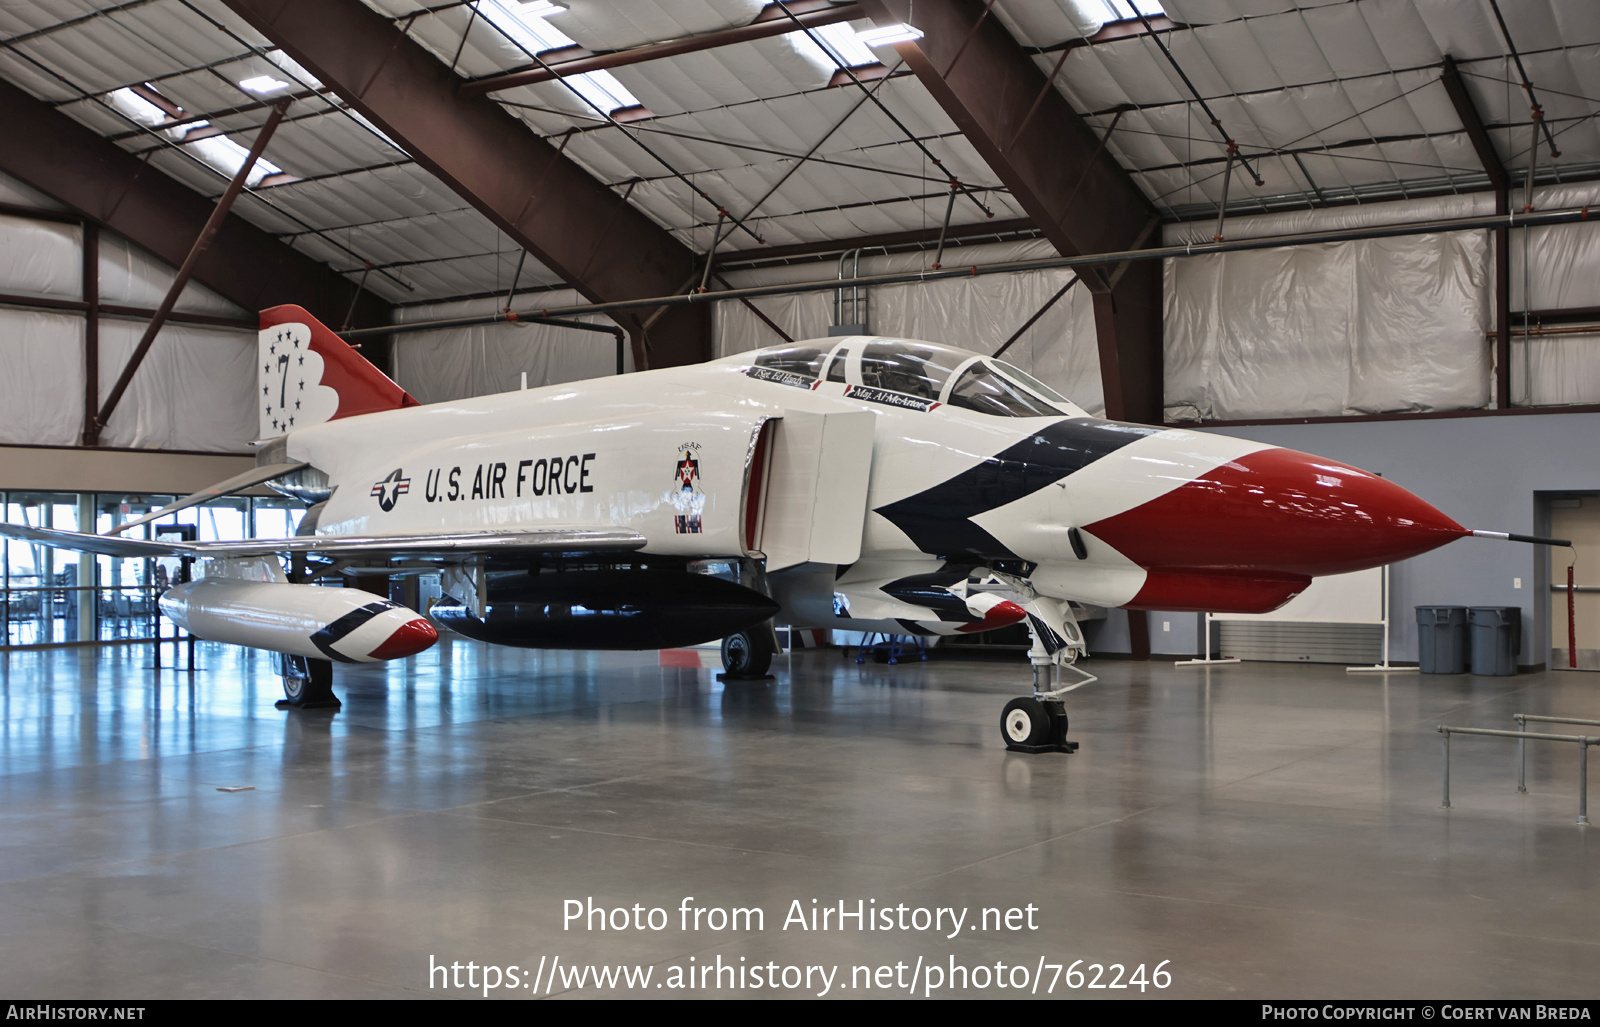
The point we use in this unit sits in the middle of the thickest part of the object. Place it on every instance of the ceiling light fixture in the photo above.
(263, 84)
(889, 34)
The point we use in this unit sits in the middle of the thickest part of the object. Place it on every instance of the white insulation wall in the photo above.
(1374, 326)
(974, 313)
(195, 387)
(454, 363)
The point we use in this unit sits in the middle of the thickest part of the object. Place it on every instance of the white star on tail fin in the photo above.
(290, 381)
(309, 375)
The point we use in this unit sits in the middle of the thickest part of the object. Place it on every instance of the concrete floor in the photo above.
(1271, 830)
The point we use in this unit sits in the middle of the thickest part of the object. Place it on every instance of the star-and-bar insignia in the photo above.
(390, 489)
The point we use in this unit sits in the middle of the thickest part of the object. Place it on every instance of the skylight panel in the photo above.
(228, 157)
(840, 41)
(889, 35)
(1122, 10)
(263, 84)
(209, 145)
(525, 25)
(136, 107)
(292, 68)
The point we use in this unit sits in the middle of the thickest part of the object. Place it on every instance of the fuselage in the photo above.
(971, 462)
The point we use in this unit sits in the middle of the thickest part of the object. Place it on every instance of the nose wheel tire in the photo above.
(1032, 725)
(747, 654)
(307, 684)
(1025, 722)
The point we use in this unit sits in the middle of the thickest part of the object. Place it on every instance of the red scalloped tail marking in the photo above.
(362, 388)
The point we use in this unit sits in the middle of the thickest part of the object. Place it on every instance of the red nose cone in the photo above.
(408, 639)
(1279, 511)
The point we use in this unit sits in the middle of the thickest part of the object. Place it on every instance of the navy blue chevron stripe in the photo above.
(939, 519)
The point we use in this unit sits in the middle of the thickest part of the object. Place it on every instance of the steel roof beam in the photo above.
(770, 22)
(1056, 169)
(550, 206)
(978, 231)
(1483, 146)
(1477, 132)
(111, 187)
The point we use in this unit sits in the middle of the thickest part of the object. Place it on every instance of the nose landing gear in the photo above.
(1038, 723)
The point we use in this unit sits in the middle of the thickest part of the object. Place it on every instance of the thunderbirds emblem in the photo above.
(687, 498)
(391, 489)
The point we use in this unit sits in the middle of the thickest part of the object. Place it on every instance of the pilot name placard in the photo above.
(555, 476)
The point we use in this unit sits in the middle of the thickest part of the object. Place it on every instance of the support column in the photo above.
(1127, 320)
(91, 333)
(1055, 166)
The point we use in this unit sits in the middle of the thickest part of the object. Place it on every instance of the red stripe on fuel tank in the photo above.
(1278, 513)
(1000, 615)
(408, 639)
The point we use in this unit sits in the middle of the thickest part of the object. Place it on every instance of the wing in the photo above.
(238, 483)
(103, 545)
(563, 541)
(550, 541)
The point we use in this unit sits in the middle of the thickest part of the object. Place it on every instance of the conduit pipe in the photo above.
(1530, 219)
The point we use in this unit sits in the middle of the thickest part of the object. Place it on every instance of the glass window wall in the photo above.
(55, 596)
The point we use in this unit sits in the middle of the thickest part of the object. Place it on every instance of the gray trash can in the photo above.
(1442, 639)
(1496, 634)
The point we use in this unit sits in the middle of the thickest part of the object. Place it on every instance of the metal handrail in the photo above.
(1583, 742)
(1522, 750)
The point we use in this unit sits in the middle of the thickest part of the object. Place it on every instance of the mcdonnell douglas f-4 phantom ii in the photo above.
(862, 483)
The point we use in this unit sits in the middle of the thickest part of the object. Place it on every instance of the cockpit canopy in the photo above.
(926, 370)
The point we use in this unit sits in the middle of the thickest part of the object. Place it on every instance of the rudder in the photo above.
(309, 375)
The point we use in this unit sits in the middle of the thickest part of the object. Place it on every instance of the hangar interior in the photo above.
(431, 169)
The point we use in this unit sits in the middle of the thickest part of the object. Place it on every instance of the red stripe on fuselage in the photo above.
(1276, 515)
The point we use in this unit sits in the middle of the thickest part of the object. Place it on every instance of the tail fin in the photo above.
(310, 375)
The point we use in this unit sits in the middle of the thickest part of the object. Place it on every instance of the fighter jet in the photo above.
(863, 483)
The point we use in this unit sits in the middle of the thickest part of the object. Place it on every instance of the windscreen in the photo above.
(1027, 380)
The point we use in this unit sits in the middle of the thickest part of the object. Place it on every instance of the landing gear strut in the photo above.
(1038, 723)
(307, 684)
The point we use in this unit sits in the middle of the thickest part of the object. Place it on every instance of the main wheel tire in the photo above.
(1025, 721)
(308, 683)
(747, 654)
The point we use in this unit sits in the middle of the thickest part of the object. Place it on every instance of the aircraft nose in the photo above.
(408, 639)
(1282, 510)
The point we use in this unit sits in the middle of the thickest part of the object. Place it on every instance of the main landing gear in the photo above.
(307, 684)
(1038, 723)
(747, 655)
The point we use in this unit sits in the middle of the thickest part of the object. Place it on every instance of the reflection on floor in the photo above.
(1271, 830)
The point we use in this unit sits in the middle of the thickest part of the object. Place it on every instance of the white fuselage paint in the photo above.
(620, 442)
